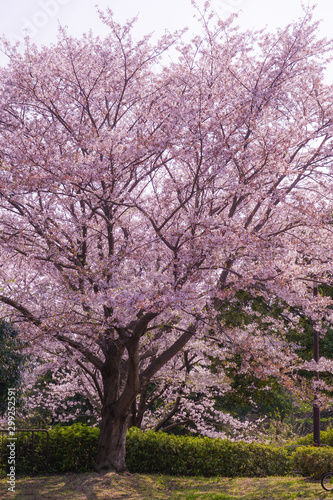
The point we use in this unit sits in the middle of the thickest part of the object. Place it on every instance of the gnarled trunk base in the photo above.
(112, 444)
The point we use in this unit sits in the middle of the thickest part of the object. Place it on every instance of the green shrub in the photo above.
(156, 452)
(24, 460)
(73, 448)
(311, 461)
(326, 437)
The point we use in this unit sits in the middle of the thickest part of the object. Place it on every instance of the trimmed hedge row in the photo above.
(311, 461)
(157, 452)
(73, 449)
(326, 437)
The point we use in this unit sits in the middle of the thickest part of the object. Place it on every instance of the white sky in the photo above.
(40, 18)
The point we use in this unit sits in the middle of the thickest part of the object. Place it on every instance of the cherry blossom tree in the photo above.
(137, 196)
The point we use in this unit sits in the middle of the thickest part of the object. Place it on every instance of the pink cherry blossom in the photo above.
(137, 195)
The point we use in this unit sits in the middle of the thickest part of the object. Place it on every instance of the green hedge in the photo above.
(156, 452)
(73, 449)
(326, 437)
(311, 461)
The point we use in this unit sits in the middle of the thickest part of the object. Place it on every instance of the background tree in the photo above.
(137, 198)
(11, 363)
(58, 396)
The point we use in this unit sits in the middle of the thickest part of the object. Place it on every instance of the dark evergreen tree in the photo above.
(11, 362)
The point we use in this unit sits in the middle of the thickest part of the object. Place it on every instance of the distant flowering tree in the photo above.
(136, 198)
(54, 393)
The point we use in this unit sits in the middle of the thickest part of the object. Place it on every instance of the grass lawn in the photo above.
(111, 486)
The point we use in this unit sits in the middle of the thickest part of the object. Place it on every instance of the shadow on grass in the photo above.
(111, 486)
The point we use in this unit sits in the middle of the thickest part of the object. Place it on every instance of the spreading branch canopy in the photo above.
(136, 195)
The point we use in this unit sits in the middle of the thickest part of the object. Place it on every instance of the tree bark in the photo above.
(112, 442)
(111, 449)
(117, 402)
(117, 405)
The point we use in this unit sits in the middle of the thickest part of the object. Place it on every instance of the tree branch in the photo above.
(23, 310)
(98, 363)
(161, 360)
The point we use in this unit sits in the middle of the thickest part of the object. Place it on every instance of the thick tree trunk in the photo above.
(120, 386)
(112, 442)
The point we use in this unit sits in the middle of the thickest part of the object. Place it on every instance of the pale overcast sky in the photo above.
(40, 18)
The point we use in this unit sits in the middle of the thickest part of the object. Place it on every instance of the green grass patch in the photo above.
(111, 486)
